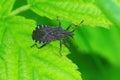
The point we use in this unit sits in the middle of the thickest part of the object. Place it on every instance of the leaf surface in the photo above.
(6, 7)
(74, 11)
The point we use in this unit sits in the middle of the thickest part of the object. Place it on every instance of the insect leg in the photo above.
(33, 45)
(60, 47)
(42, 45)
(59, 22)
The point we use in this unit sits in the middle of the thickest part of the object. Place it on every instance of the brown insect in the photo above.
(45, 34)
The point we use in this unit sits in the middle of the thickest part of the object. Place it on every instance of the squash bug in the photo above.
(45, 34)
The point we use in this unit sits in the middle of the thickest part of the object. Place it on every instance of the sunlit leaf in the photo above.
(110, 9)
(74, 11)
(6, 7)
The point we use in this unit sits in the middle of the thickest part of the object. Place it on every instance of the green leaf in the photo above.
(6, 7)
(19, 61)
(100, 41)
(74, 11)
(110, 9)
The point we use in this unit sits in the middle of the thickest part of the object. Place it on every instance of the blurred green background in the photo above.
(94, 49)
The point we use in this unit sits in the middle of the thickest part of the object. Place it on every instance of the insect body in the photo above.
(45, 34)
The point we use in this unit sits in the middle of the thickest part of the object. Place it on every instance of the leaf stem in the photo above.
(19, 10)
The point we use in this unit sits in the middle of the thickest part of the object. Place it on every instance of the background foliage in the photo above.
(93, 53)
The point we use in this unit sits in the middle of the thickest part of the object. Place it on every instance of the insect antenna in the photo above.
(77, 26)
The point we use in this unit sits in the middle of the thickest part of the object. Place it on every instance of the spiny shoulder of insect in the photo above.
(40, 26)
(42, 42)
(43, 26)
